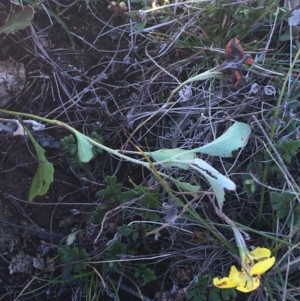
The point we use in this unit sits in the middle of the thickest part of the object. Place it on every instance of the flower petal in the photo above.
(260, 253)
(224, 282)
(233, 272)
(250, 285)
(236, 276)
(262, 266)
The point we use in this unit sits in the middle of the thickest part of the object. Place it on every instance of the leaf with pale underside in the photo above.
(234, 138)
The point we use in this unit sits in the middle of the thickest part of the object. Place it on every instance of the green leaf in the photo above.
(282, 213)
(133, 14)
(85, 147)
(110, 180)
(234, 138)
(44, 174)
(194, 189)
(227, 293)
(124, 230)
(137, 273)
(288, 149)
(217, 181)
(98, 214)
(214, 295)
(152, 216)
(115, 249)
(19, 18)
(164, 19)
(150, 199)
(191, 293)
(141, 26)
(281, 202)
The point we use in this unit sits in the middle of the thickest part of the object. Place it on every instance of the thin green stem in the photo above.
(74, 131)
(272, 133)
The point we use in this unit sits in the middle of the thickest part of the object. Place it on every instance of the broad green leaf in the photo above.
(85, 147)
(44, 174)
(234, 138)
(169, 155)
(19, 18)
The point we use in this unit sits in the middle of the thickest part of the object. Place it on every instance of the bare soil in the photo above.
(55, 73)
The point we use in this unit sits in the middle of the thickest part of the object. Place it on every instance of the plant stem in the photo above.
(272, 133)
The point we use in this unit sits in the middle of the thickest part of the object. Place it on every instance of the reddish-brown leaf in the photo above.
(234, 50)
(249, 61)
(234, 57)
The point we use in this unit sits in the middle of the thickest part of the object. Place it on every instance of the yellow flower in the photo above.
(238, 279)
(263, 261)
(245, 282)
(254, 264)
(224, 282)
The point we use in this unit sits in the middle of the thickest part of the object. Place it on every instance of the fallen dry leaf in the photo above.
(234, 57)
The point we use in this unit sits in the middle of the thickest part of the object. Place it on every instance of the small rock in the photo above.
(21, 263)
(39, 263)
(12, 80)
